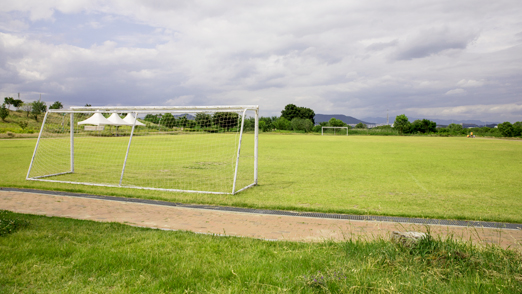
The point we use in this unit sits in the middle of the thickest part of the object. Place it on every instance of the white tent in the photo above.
(130, 119)
(116, 120)
(96, 119)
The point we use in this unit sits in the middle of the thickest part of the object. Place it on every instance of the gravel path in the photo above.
(231, 223)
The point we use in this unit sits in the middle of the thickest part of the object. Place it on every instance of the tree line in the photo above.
(33, 109)
(424, 126)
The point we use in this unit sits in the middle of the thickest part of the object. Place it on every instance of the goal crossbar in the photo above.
(46, 135)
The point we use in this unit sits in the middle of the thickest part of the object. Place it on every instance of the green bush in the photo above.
(506, 129)
(4, 112)
(317, 129)
(282, 124)
(299, 124)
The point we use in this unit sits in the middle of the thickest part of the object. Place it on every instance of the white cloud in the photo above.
(470, 83)
(456, 92)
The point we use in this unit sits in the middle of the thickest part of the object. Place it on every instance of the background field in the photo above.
(438, 177)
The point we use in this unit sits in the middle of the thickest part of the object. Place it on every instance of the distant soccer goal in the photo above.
(334, 131)
(204, 149)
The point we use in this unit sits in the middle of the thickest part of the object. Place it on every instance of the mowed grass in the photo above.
(436, 177)
(200, 162)
(50, 255)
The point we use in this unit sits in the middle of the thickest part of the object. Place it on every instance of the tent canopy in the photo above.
(96, 119)
(116, 120)
(130, 119)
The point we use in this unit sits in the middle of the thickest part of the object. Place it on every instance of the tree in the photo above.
(168, 120)
(8, 101)
(423, 126)
(268, 123)
(27, 107)
(333, 122)
(307, 113)
(181, 121)
(226, 120)
(291, 111)
(360, 126)
(506, 129)
(87, 105)
(299, 124)
(4, 112)
(517, 129)
(203, 120)
(38, 107)
(152, 118)
(17, 103)
(401, 123)
(455, 128)
(56, 105)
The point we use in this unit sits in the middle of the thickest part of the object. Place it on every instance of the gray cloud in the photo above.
(433, 41)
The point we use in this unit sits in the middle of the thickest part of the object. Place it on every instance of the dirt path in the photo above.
(263, 226)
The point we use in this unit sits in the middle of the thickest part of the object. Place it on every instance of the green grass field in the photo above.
(455, 178)
(51, 255)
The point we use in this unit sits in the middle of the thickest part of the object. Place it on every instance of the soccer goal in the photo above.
(334, 130)
(202, 149)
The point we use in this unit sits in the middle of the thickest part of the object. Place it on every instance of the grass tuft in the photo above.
(8, 224)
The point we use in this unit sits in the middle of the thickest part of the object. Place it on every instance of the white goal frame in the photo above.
(135, 110)
(322, 129)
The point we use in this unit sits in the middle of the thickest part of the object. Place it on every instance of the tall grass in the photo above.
(65, 255)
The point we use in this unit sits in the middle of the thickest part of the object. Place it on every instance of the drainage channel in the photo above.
(423, 221)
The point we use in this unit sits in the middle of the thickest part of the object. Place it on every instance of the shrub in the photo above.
(262, 126)
(299, 124)
(282, 124)
(4, 112)
(23, 124)
(361, 126)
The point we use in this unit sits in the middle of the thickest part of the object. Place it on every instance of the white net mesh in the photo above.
(334, 131)
(174, 150)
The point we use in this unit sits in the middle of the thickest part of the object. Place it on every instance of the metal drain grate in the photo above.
(423, 221)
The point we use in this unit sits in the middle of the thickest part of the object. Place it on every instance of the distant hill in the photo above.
(319, 118)
(189, 116)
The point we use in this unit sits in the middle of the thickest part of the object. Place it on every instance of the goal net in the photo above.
(185, 149)
(334, 131)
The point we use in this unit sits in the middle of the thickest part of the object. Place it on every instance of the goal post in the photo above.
(333, 130)
(202, 149)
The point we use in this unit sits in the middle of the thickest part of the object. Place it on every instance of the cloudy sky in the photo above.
(433, 59)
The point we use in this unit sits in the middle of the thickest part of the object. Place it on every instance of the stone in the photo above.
(407, 238)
